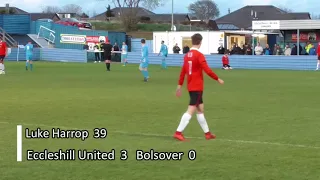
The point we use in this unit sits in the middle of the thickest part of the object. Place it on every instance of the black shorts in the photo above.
(2, 57)
(319, 58)
(226, 65)
(107, 57)
(195, 98)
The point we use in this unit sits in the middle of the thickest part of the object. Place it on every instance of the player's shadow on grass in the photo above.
(158, 136)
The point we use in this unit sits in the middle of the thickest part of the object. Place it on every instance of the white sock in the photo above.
(318, 65)
(203, 123)
(184, 122)
(1, 67)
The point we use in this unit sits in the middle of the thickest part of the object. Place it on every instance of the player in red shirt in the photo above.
(193, 65)
(318, 53)
(225, 61)
(3, 54)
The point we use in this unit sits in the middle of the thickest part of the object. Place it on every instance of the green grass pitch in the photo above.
(267, 123)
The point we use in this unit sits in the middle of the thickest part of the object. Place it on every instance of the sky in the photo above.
(180, 6)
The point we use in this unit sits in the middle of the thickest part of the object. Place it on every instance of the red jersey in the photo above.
(193, 65)
(225, 59)
(3, 48)
(318, 52)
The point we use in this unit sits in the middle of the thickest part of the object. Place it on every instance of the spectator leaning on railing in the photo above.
(312, 51)
(287, 51)
(294, 50)
(258, 49)
(308, 47)
(267, 50)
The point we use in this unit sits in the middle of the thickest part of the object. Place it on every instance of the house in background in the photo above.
(11, 10)
(52, 16)
(66, 15)
(144, 13)
(241, 20)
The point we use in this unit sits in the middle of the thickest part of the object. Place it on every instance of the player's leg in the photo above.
(125, 59)
(145, 68)
(108, 64)
(164, 65)
(318, 64)
(27, 61)
(202, 121)
(96, 57)
(186, 117)
(31, 64)
(2, 68)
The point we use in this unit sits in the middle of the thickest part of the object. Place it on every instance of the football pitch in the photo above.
(267, 123)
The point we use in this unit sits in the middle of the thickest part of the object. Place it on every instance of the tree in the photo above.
(285, 9)
(84, 15)
(72, 8)
(109, 13)
(314, 16)
(204, 9)
(50, 9)
(129, 10)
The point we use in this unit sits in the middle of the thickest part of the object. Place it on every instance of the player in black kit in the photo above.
(107, 47)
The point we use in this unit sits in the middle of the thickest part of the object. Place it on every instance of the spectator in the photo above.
(258, 49)
(236, 49)
(116, 55)
(274, 52)
(186, 49)
(294, 50)
(267, 50)
(248, 50)
(278, 50)
(221, 50)
(176, 49)
(308, 47)
(96, 53)
(86, 47)
(287, 50)
(312, 51)
(300, 49)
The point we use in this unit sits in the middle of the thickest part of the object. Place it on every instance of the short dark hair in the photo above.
(162, 41)
(196, 39)
(143, 41)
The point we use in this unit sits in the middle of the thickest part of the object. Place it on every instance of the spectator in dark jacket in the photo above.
(294, 50)
(186, 49)
(236, 49)
(221, 50)
(176, 49)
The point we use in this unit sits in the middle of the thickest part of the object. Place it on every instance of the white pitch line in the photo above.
(169, 136)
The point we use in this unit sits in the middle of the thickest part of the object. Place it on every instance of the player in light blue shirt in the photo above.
(29, 54)
(144, 60)
(164, 54)
(124, 53)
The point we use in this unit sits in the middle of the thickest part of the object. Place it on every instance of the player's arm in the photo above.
(181, 79)
(161, 49)
(207, 69)
(6, 48)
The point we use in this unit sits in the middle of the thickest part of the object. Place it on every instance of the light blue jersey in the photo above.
(124, 53)
(144, 56)
(29, 51)
(164, 50)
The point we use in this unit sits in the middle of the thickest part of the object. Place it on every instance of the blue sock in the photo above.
(31, 66)
(143, 73)
(164, 64)
(147, 73)
(27, 64)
